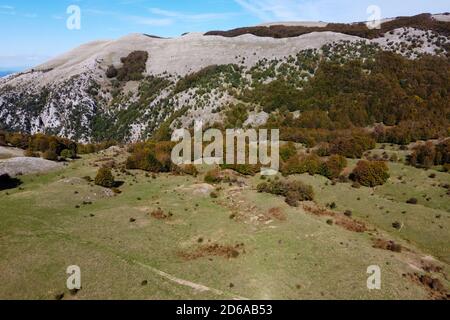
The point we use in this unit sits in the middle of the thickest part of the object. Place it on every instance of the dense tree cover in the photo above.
(333, 166)
(410, 97)
(411, 130)
(370, 173)
(351, 146)
(95, 147)
(422, 21)
(274, 95)
(51, 147)
(389, 90)
(428, 154)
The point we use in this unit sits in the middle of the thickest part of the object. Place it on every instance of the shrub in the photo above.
(352, 146)
(30, 153)
(423, 156)
(301, 164)
(245, 169)
(189, 169)
(333, 167)
(214, 195)
(105, 178)
(152, 157)
(66, 154)
(133, 66)
(426, 155)
(370, 173)
(287, 151)
(111, 72)
(292, 199)
(50, 155)
(213, 176)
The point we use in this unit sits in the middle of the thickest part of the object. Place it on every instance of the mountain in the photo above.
(140, 86)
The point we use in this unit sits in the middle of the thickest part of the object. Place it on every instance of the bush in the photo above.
(213, 176)
(31, 154)
(287, 151)
(423, 156)
(333, 167)
(50, 155)
(111, 72)
(189, 169)
(245, 169)
(293, 191)
(7, 182)
(105, 178)
(301, 164)
(352, 146)
(426, 155)
(312, 164)
(370, 173)
(152, 157)
(66, 154)
(133, 66)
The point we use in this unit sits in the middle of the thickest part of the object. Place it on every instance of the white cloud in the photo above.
(335, 10)
(148, 21)
(200, 17)
(142, 20)
(30, 15)
(271, 10)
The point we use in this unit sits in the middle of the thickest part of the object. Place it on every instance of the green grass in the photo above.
(42, 233)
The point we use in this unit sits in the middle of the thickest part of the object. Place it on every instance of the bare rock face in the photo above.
(23, 166)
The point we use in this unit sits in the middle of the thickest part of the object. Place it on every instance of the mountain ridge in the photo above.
(72, 96)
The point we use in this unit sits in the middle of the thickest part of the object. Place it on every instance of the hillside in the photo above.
(179, 80)
(174, 236)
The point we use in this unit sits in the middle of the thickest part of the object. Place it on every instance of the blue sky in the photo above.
(34, 31)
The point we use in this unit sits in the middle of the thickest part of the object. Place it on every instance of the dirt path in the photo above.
(193, 285)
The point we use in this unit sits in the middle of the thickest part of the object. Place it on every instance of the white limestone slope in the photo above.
(177, 56)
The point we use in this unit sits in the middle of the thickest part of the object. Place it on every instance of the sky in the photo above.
(32, 32)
